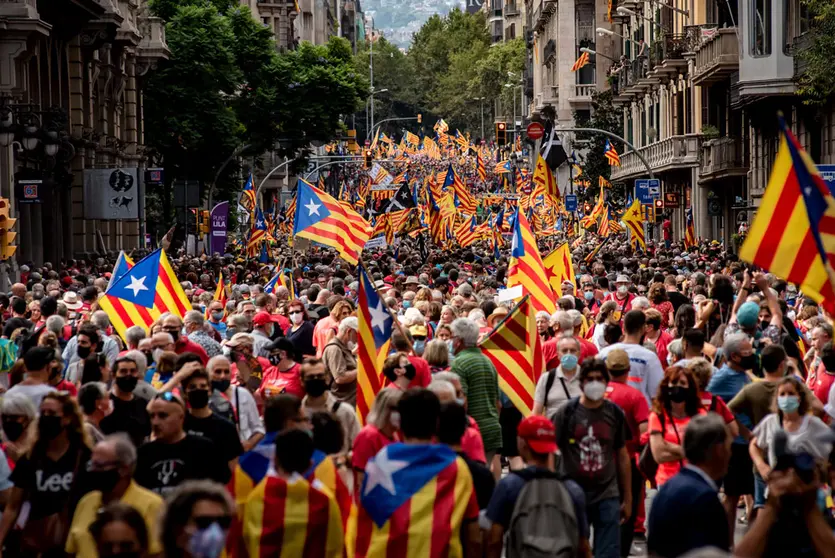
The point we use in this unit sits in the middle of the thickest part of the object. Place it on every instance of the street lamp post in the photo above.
(481, 99)
(371, 100)
(594, 52)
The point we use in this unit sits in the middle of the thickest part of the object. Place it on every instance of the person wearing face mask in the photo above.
(283, 374)
(300, 332)
(196, 520)
(109, 473)
(201, 421)
(234, 403)
(87, 343)
(726, 383)
(195, 328)
(398, 371)
(95, 404)
(263, 328)
(129, 414)
(47, 478)
(319, 399)
(119, 531)
(216, 318)
(621, 296)
(340, 361)
(146, 347)
(559, 384)
(591, 434)
(173, 325)
(677, 402)
(17, 413)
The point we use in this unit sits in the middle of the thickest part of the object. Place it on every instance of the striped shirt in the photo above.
(480, 383)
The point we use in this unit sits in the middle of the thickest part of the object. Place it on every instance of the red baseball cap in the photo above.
(261, 319)
(539, 433)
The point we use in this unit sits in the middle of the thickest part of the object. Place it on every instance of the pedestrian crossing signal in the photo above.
(369, 157)
(501, 133)
(7, 236)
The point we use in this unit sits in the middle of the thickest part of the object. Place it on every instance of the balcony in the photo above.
(695, 35)
(585, 33)
(511, 9)
(582, 93)
(549, 53)
(722, 158)
(543, 13)
(673, 153)
(717, 58)
(668, 54)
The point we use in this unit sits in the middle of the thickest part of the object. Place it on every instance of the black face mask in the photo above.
(13, 429)
(275, 359)
(678, 394)
(221, 385)
(49, 426)
(175, 335)
(749, 362)
(764, 324)
(127, 383)
(149, 357)
(105, 481)
(83, 352)
(410, 371)
(315, 386)
(198, 398)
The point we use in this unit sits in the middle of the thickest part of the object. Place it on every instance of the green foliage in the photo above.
(493, 72)
(816, 85)
(604, 116)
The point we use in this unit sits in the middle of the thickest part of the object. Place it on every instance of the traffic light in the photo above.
(7, 247)
(369, 157)
(420, 118)
(501, 133)
(204, 225)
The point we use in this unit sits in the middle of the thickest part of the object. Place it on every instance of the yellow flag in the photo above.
(558, 267)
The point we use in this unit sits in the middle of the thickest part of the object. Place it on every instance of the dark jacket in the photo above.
(685, 515)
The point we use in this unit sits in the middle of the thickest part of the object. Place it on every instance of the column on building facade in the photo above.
(566, 50)
(663, 112)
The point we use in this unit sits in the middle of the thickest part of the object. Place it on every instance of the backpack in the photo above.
(543, 523)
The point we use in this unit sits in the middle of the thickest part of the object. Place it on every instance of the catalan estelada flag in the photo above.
(603, 182)
(466, 233)
(247, 200)
(503, 166)
(543, 179)
(220, 295)
(603, 227)
(464, 201)
(689, 229)
(123, 265)
(144, 293)
(323, 220)
(611, 154)
(258, 234)
(413, 501)
(793, 233)
(324, 470)
(582, 61)
(633, 218)
(479, 165)
(515, 349)
(558, 267)
(374, 337)
(291, 518)
(526, 266)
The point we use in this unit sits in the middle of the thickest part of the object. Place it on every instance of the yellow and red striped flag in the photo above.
(543, 179)
(689, 229)
(526, 267)
(793, 233)
(148, 290)
(291, 519)
(374, 337)
(582, 61)
(634, 221)
(603, 182)
(322, 219)
(603, 227)
(220, 295)
(611, 154)
(559, 268)
(515, 349)
(324, 469)
(466, 233)
(479, 164)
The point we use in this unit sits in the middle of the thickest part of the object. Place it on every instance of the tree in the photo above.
(503, 65)
(816, 85)
(604, 116)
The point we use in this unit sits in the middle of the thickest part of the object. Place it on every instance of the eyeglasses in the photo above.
(205, 521)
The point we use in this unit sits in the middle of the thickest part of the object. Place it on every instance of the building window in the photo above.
(265, 21)
(795, 24)
(760, 27)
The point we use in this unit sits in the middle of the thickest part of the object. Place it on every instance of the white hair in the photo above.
(350, 322)
(476, 314)
(413, 316)
(576, 316)
(640, 303)
(466, 330)
(564, 320)
(440, 387)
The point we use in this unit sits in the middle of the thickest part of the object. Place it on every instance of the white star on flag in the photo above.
(136, 285)
(378, 316)
(313, 208)
(381, 470)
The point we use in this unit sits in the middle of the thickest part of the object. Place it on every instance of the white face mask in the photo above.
(594, 390)
(352, 345)
(296, 318)
(623, 289)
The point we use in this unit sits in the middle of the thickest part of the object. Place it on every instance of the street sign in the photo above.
(535, 130)
(571, 203)
(828, 175)
(647, 189)
(671, 199)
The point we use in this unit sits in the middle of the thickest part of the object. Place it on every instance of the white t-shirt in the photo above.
(805, 439)
(645, 370)
(561, 391)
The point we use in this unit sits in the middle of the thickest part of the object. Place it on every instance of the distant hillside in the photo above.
(398, 22)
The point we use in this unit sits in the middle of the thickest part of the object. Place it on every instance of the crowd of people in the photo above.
(683, 395)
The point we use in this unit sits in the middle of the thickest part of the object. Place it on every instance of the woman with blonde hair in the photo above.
(46, 478)
(423, 294)
(605, 316)
(437, 355)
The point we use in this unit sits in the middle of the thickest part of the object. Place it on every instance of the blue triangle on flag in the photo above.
(139, 285)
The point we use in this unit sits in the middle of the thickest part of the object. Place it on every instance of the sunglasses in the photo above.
(169, 397)
(205, 521)
(294, 312)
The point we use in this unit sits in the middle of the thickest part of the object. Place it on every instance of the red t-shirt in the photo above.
(471, 443)
(367, 444)
(667, 470)
(821, 384)
(621, 307)
(276, 382)
(719, 407)
(69, 387)
(661, 346)
(423, 376)
(587, 349)
(549, 352)
(634, 405)
(186, 345)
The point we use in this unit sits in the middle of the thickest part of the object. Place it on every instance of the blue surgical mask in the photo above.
(407, 304)
(450, 346)
(788, 403)
(208, 542)
(588, 295)
(568, 361)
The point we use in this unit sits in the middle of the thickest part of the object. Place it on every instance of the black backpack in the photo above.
(543, 523)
